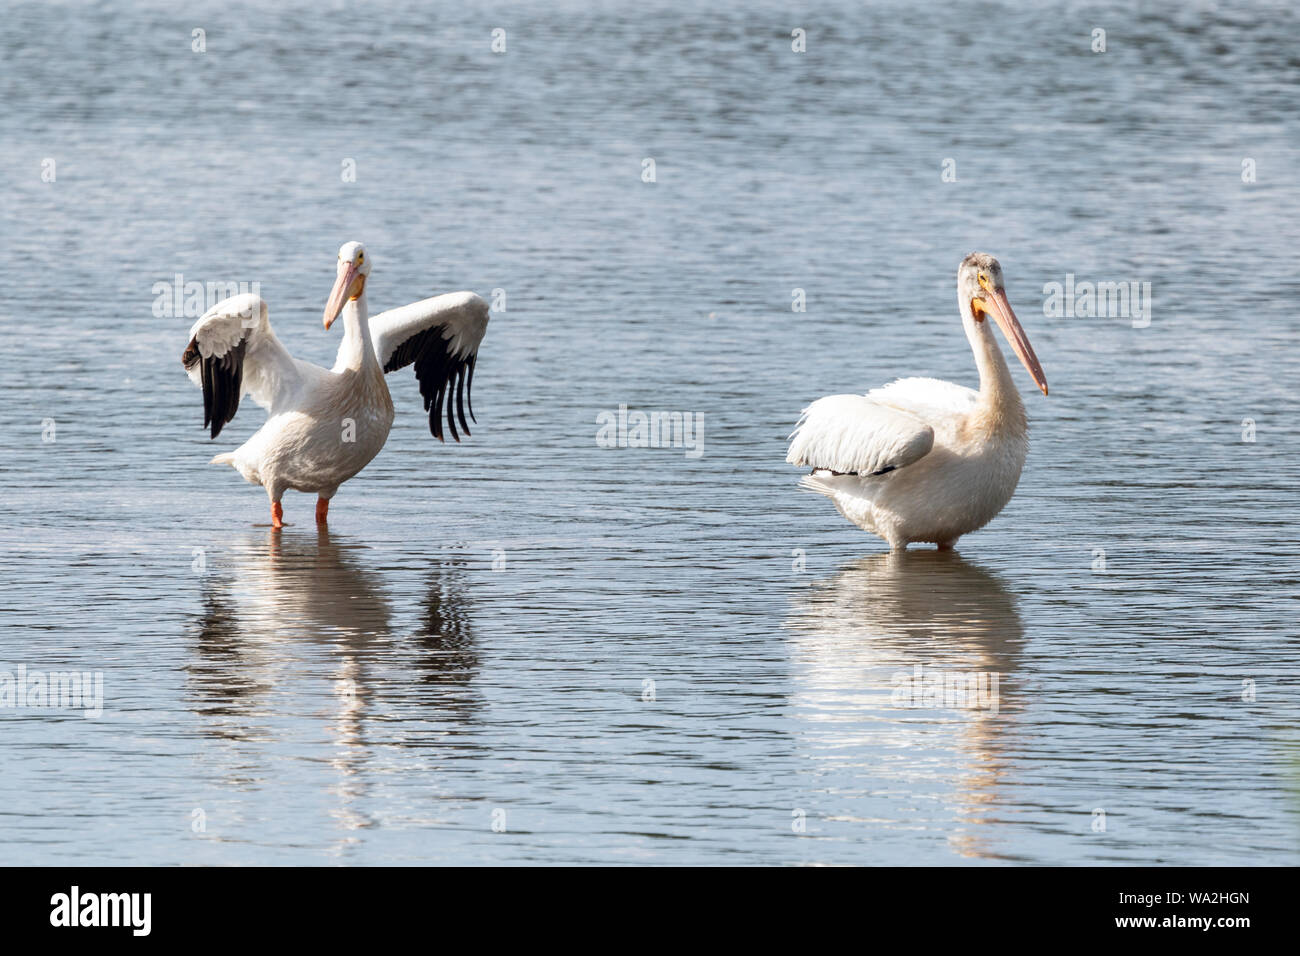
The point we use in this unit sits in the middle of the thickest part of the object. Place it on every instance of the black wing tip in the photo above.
(469, 387)
(445, 380)
(460, 400)
(451, 412)
(223, 381)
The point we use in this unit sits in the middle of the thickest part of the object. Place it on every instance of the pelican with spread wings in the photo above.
(325, 425)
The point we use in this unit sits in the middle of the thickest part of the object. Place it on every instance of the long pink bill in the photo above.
(1010, 326)
(339, 294)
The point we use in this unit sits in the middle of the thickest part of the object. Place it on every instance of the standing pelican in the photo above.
(922, 459)
(325, 425)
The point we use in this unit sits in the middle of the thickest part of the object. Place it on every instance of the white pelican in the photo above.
(922, 459)
(325, 425)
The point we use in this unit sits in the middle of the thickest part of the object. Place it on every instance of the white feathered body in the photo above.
(323, 437)
(927, 460)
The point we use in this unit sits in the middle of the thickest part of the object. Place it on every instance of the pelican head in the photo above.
(981, 292)
(354, 267)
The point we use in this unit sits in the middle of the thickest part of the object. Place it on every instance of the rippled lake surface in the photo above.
(528, 648)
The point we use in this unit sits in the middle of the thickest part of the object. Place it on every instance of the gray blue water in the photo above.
(528, 648)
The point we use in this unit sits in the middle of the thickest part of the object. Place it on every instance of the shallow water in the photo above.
(527, 648)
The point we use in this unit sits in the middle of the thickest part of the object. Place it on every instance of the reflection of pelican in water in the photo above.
(286, 614)
(284, 586)
(313, 585)
(450, 659)
(856, 641)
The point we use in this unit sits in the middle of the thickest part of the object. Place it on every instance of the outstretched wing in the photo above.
(440, 336)
(855, 435)
(233, 353)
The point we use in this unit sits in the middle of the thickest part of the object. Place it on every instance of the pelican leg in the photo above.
(322, 510)
(277, 515)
